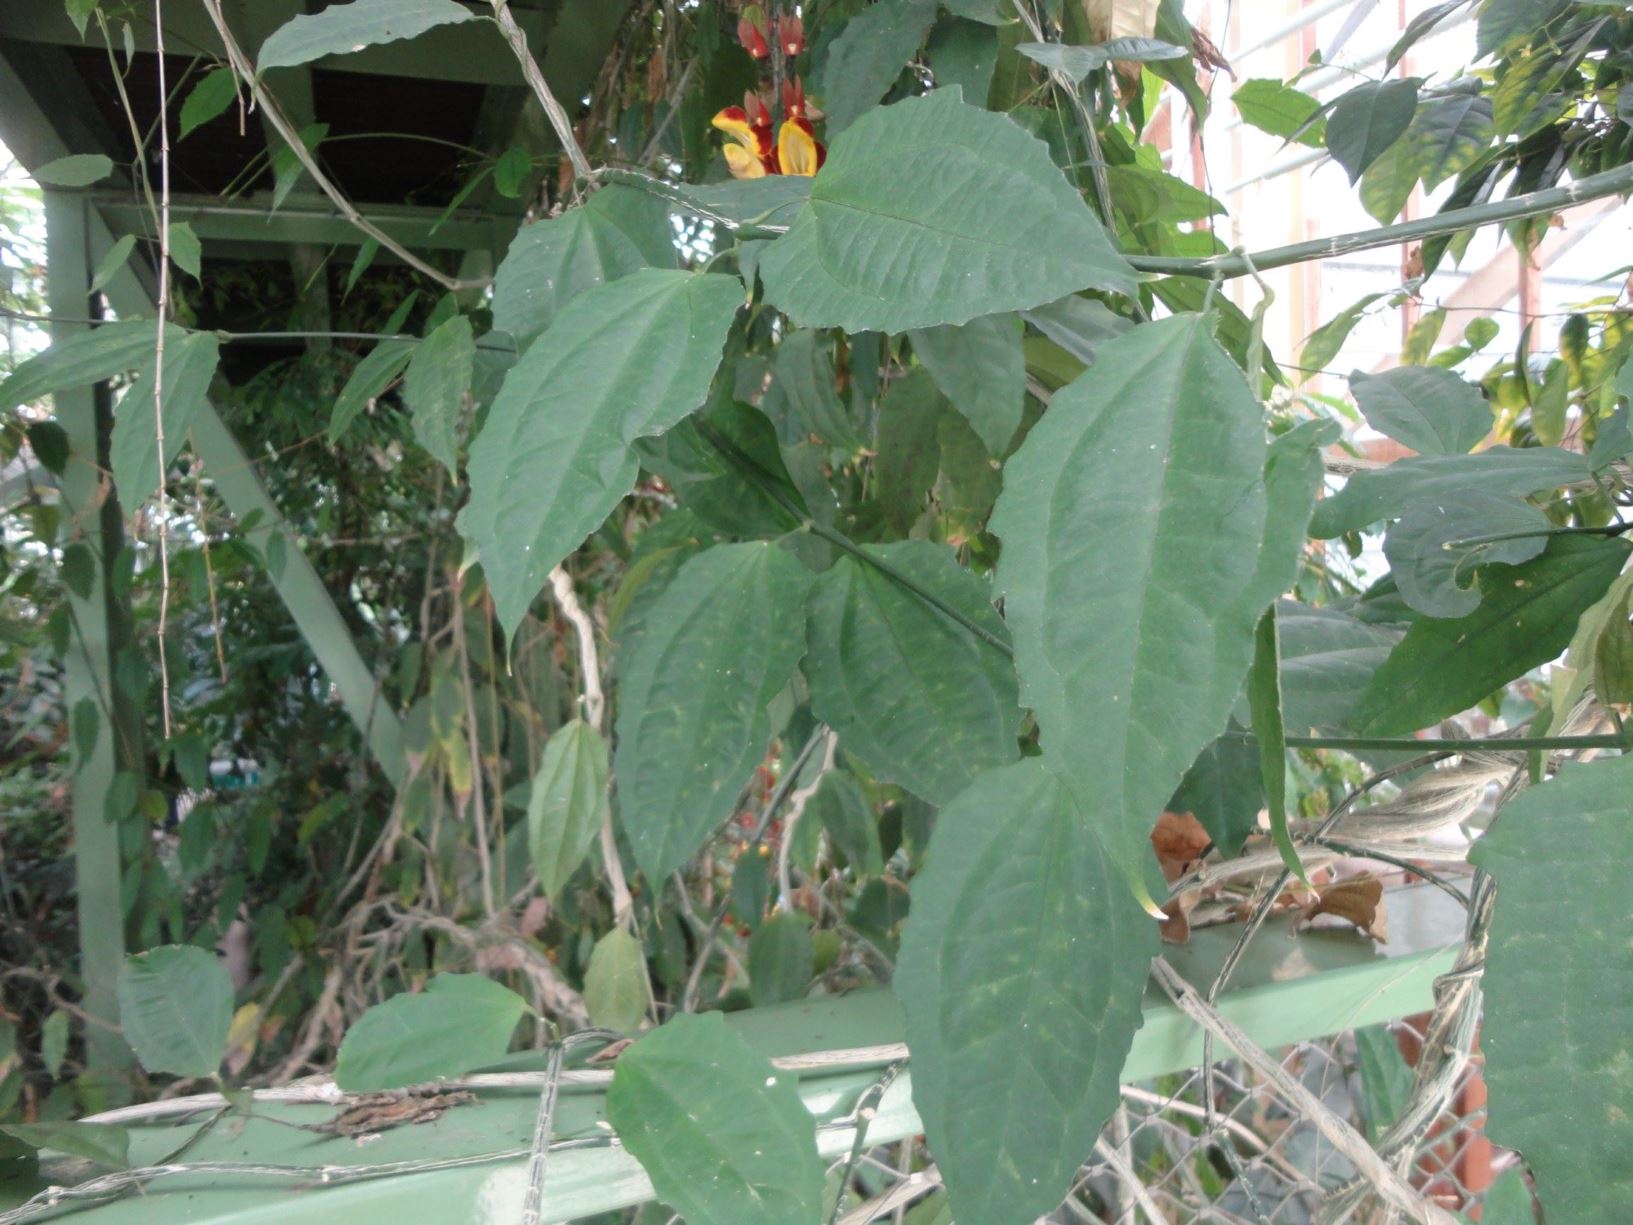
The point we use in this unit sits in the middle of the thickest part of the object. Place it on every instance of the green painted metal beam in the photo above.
(1284, 991)
(91, 520)
(472, 52)
(310, 219)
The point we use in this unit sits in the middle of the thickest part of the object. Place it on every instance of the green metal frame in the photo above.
(1284, 991)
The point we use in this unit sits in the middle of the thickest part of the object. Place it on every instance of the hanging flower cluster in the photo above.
(752, 153)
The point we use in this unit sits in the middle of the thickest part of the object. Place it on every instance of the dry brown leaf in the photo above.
(1358, 901)
(1180, 841)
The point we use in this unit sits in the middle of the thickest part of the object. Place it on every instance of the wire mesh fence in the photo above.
(1255, 1158)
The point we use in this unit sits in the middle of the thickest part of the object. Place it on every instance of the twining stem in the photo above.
(1494, 743)
(1609, 529)
(553, 111)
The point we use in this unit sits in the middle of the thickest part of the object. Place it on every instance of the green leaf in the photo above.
(1282, 111)
(803, 399)
(567, 804)
(287, 168)
(866, 57)
(1264, 702)
(49, 442)
(1367, 120)
(1503, 21)
(1613, 654)
(75, 170)
(721, 1133)
(1508, 1201)
(79, 12)
(54, 1041)
(175, 1006)
(185, 250)
(1430, 410)
(1387, 184)
(981, 368)
(913, 695)
(101, 1143)
(213, 94)
(110, 264)
(1568, 680)
(459, 1022)
(1077, 324)
(713, 484)
(1437, 580)
(844, 812)
(510, 172)
(616, 232)
(1132, 593)
(1524, 98)
(720, 642)
(1558, 1052)
(1022, 969)
(781, 962)
(344, 28)
(931, 212)
(190, 360)
(1076, 62)
(1380, 493)
(772, 200)
(369, 380)
(963, 53)
(434, 386)
(1448, 135)
(1324, 344)
(1526, 616)
(553, 459)
(1224, 790)
(1386, 1078)
(85, 357)
(616, 994)
(907, 448)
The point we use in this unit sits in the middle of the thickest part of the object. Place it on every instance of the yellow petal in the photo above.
(742, 163)
(796, 150)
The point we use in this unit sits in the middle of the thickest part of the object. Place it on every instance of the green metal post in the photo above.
(98, 629)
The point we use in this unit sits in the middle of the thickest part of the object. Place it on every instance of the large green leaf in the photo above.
(370, 380)
(343, 28)
(844, 812)
(1526, 616)
(781, 962)
(981, 368)
(867, 56)
(1281, 110)
(619, 230)
(713, 482)
(931, 212)
(963, 53)
(1367, 120)
(1448, 135)
(101, 1143)
(1328, 658)
(1437, 579)
(85, 357)
(803, 399)
(1265, 706)
(1224, 790)
(907, 448)
(553, 459)
(1433, 411)
(438, 376)
(175, 1006)
(915, 696)
(567, 804)
(1021, 974)
(1502, 21)
(616, 993)
(1383, 493)
(1558, 983)
(459, 1022)
(722, 1134)
(719, 644)
(1139, 551)
(189, 365)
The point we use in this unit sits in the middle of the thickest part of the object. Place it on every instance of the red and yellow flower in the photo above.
(752, 154)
